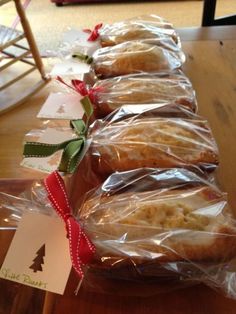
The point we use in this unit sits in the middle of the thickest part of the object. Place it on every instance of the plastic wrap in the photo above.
(143, 88)
(150, 55)
(164, 110)
(152, 142)
(142, 27)
(52, 133)
(34, 135)
(155, 230)
(32, 199)
(160, 227)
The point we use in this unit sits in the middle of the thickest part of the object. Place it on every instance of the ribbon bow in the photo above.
(81, 248)
(94, 34)
(72, 149)
(81, 88)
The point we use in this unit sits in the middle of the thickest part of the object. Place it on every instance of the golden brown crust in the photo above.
(135, 29)
(133, 57)
(133, 32)
(144, 90)
(156, 142)
(200, 228)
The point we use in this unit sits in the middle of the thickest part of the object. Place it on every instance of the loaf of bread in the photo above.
(150, 26)
(144, 89)
(152, 142)
(134, 57)
(165, 225)
(165, 110)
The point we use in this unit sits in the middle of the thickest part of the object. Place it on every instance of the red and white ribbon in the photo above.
(17, 19)
(81, 88)
(81, 248)
(94, 34)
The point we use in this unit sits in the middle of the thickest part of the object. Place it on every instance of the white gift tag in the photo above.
(70, 67)
(39, 254)
(78, 40)
(48, 164)
(62, 106)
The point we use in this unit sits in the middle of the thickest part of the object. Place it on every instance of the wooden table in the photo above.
(211, 66)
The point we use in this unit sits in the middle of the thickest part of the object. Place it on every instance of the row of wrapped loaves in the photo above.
(156, 213)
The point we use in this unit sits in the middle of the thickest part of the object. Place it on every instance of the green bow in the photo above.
(72, 149)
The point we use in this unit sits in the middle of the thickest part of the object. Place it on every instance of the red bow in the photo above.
(81, 248)
(80, 87)
(94, 33)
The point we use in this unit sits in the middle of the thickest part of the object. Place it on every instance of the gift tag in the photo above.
(39, 254)
(62, 106)
(48, 164)
(78, 39)
(70, 67)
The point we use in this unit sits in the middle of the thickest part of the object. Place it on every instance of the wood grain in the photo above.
(211, 66)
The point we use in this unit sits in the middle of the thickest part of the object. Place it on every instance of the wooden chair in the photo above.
(12, 51)
(208, 16)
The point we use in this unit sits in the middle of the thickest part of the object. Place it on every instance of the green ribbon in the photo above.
(71, 156)
(72, 149)
(87, 106)
(87, 59)
(79, 126)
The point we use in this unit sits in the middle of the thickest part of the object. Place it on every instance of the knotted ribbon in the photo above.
(94, 34)
(81, 88)
(81, 248)
(72, 149)
(81, 56)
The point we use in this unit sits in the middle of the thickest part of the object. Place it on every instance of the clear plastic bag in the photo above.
(53, 132)
(160, 142)
(15, 297)
(155, 230)
(32, 198)
(143, 88)
(164, 110)
(150, 55)
(142, 27)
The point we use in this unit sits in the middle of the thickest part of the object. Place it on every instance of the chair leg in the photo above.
(29, 37)
(208, 15)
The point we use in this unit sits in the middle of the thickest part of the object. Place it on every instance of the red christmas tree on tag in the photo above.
(38, 261)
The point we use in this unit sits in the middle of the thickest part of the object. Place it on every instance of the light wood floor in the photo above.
(48, 22)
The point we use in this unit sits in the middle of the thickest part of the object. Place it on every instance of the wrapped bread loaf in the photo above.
(164, 110)
(178, 219)
(149, 26)
(143, 88)
(152, 142)
(137, 56)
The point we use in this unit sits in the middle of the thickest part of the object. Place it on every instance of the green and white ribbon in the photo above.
(72, 149)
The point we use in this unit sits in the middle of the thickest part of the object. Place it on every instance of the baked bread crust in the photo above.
(143, 89)
(134, 57)
(191, 224)
(138, 28)
(153, 142)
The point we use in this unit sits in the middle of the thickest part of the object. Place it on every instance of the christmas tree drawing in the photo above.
(61, 109)
(38, 261)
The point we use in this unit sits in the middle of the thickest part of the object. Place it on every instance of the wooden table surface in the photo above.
(211, 66)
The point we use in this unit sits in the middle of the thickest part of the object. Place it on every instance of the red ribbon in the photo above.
(81, 248)
(81, 88)
(94, 34)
